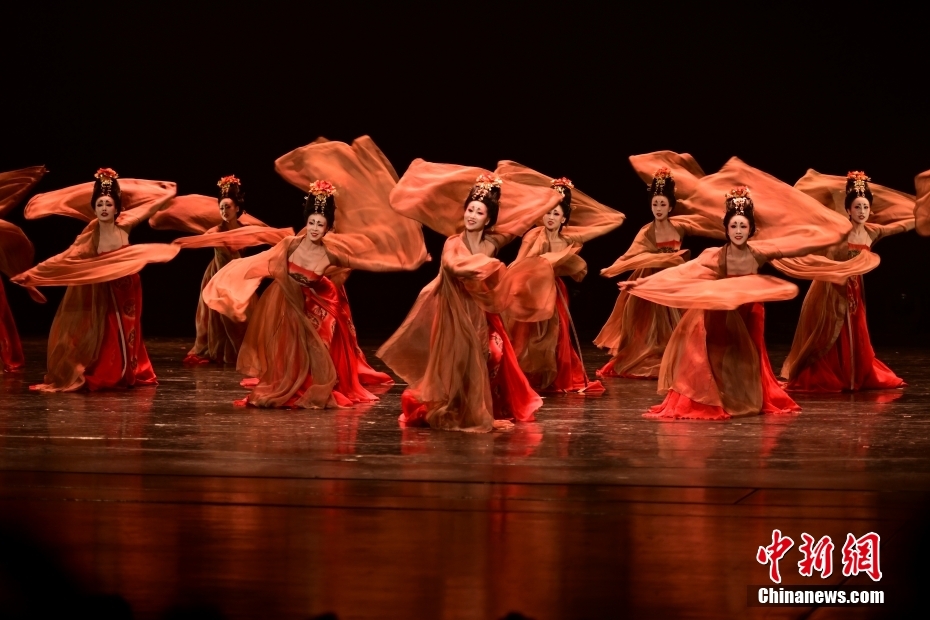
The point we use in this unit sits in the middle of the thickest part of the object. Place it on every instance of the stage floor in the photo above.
(173, 499)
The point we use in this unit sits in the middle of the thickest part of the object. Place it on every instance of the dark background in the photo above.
(189, 95)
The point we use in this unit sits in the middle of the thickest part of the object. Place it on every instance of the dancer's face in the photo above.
(660, 208)
(229, 211)
(554, 219)
(738, 230)
(859, 210)
(105, 209)
(316, 226)
(476, 216)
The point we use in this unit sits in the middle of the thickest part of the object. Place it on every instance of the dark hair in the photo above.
(325, 207)
(566, 204)
(852, 194)
(748, 212)
(113, 192)
(667, 189)
(491, 199)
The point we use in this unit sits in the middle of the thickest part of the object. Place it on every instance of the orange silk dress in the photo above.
(300, 347)
(96, 337)
(716, 365)
(832, 350)
(453, 350)
(544, 349)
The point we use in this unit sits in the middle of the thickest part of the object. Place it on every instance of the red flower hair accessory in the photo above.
(739, 200)
(106, 176)
(859, 182)
(657, 187)
(561, 183)
(483, 186)
(321, 192)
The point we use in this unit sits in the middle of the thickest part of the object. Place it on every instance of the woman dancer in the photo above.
(452, 348)
(638, 330)
(832, 351)
(96, 336)
(300, 346)
(715, 365)
(544, 349)
(227, 228)
(16, 254)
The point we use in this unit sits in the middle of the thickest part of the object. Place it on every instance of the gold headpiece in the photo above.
(859, 182)
(561, 184)
(225, 183)
(321, 191)
(483, 186)
(739, 200)
(106, 176)
(658, 181)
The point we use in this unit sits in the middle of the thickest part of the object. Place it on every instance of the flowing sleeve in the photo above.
(892, 211)
(15, 184)
(16, 255)
(526, 290)
(698, 226)
(643, 252)
(789, 222)
(237, 239)
(230, 291)
(685, 170)
(922, 203)
(434, 195)
(368, 234)
(194, 213)
(589, 218)
(700, 284)
(75, 267)
(816, 267)
(140, 200)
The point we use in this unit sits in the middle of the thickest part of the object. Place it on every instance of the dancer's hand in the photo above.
(627, 284)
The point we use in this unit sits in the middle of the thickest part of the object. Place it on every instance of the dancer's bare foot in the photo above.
(502, 425)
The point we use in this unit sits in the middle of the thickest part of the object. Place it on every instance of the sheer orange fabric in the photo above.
(715, 364)
(194, 213)
(685, 170)
(922, 203)
(15, 184)
(367, 235)
(16, 255)
(452, 339)
(589, 218)
(434, 195)
(832, 350)
(140, 199)
(286, 346)
(96, 339)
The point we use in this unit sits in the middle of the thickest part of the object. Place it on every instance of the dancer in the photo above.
(637, 331)
(832, 350)
(16, 255)
(96, 336)
(300, 348)
(544, 349)
(227, 228)
(452, 349)
(716, 365)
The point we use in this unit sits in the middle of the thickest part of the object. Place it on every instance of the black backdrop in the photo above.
(191, 94)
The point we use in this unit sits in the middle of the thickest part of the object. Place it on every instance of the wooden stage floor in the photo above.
(172, 499)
